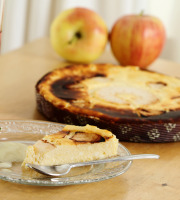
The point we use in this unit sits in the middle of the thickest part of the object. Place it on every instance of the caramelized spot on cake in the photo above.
(46, 142)
(175, 97)
(157, 84)
(61, 89)
(114, 112)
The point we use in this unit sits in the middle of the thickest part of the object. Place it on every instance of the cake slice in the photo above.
(72, 144)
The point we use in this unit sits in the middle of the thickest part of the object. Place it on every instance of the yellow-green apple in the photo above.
(79, 35)
(137, 39)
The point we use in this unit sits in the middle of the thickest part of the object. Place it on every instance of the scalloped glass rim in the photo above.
(34, 128)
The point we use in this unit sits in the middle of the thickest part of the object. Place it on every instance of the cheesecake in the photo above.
(71, 145)
(135, 104)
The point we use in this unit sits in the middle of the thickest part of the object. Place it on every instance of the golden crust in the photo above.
(71, 135)
(88, 129)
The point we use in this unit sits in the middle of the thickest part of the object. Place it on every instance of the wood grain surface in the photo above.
(145, 180)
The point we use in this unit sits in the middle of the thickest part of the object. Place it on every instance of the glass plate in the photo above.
(28, 132)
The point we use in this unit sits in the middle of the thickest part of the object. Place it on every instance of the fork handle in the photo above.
(115, 159)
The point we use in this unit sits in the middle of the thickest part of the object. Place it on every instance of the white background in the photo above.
(27, 20)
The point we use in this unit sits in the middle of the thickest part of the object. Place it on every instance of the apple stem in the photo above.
(77, 36)
(141, 13)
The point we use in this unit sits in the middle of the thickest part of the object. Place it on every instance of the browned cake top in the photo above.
(105, 90)
(71, 135)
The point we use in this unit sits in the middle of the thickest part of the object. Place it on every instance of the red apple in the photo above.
(79, 35)
(137, 40)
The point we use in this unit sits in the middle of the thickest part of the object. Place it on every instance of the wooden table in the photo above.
(146, 179)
